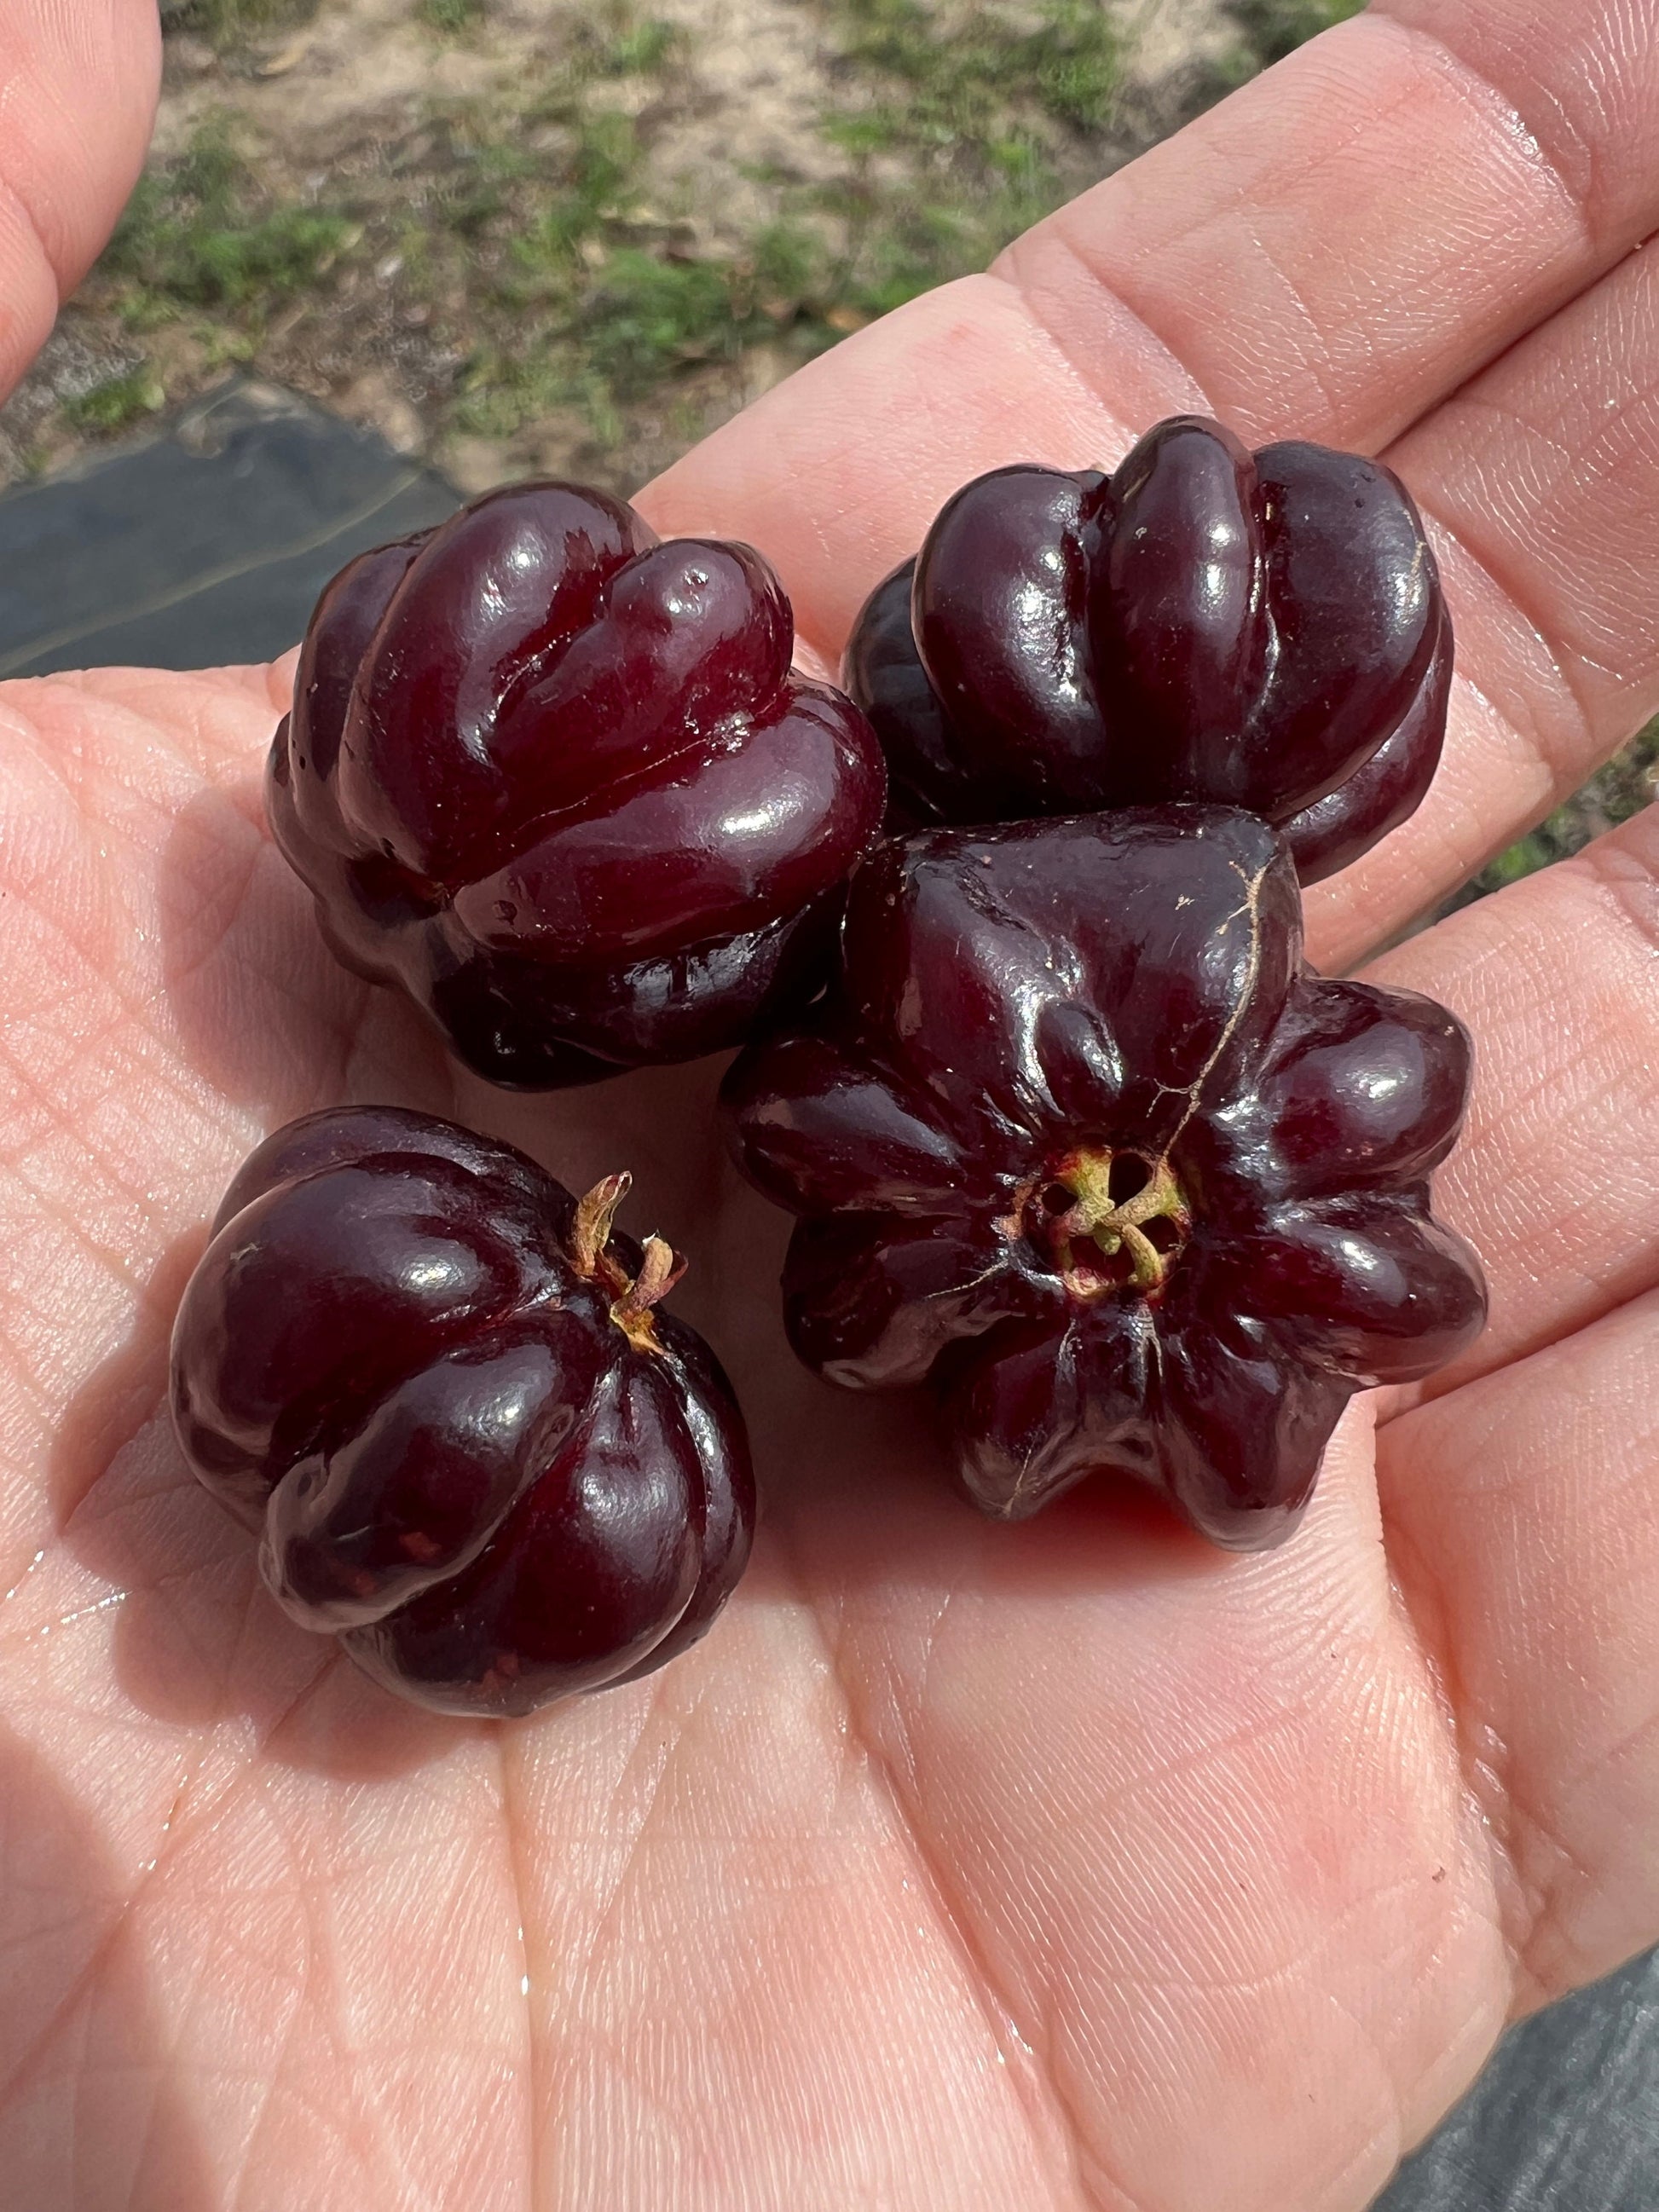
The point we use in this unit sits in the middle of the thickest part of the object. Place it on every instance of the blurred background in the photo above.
(536, 234)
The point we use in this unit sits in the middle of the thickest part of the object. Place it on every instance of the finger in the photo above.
(1326, 254)
(77, 94)
(1294, 256)
(1521, 1527)
(1541, 481)
(1195, 1818)
(1556, 1179)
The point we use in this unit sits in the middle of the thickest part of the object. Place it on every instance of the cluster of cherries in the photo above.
(1010, 936)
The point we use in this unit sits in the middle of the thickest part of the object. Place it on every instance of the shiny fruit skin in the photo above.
(399, 1360)
(555, 780)
(1261, 630)
(1076, 1138)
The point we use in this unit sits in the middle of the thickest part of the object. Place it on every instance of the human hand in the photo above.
(965, 1867)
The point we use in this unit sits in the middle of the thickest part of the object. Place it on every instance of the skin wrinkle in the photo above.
(275, 2083)
(70, 180)
(371, 2114)
(1609, 1755)
(124, 1913)
(29, 297)
(360, 2117)
(1059, 228)
(1006, 269)
(1528, 1836)
(624, 2062)
(370, 2102)
(1489, 1790)
(1392, 2127)
(1324, 390)
(1589, 733)
(1579, 201)
(206, 1817)
(995, 2005)
(1482, 99)
(1248, 1734)
(290, 987)
(183, 1097)
(1625, 881)
(152, 2120)
(1612, 879)
(533, 2063)
(1552, 1959)
(641, 1754)
(28, 195)
(1598, 461)
(1421, 1684)
(1563, 766)
(104, 1257)
(142, 1011)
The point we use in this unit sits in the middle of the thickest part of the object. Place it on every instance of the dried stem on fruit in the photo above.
(633, 1297)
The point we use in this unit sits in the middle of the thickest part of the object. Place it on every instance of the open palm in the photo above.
(965, 1867)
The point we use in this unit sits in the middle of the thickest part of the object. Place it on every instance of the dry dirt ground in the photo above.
(529, 233)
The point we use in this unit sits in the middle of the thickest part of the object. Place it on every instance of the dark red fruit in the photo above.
(1078, 1138)
(445, 1392)
(1261, 630)
(556, 780)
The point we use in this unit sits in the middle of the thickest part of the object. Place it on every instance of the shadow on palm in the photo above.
(856, 1507)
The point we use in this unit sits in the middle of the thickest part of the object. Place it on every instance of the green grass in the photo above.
(956, 121)
(1622, 789)
(960, 76)
(551, 272)
(640, 49)
(450, 18)
(592, 188)
(1270, 29)
(203, 234)
(118, 402)
(562, 287)
(615, 307)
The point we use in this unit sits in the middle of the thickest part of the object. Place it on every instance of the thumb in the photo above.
(78, 82)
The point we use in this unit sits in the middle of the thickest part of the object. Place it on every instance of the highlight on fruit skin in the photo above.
(446, 1393)
(555, 780)
(1076, 1139)
(1204, 625)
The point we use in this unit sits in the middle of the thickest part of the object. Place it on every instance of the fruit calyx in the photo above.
(1129, 1215)
(633, 1297)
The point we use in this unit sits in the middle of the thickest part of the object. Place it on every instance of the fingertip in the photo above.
(78, 86)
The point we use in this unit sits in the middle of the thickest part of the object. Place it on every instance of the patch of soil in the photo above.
(400, 133)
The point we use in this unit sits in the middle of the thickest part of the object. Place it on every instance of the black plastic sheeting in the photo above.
(210, 544)
(204, 546)
(1565, 2119)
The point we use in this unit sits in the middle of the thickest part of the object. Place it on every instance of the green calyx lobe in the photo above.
(1111, 1220)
